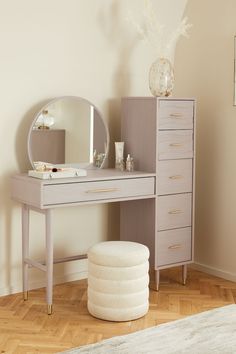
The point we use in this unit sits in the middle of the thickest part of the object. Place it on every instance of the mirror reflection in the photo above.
(69, 131)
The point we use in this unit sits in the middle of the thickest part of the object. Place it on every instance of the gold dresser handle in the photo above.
(176, 115)
(175, 211)
(176, 177)
(176, 144)
(102, 190)
(175, 247)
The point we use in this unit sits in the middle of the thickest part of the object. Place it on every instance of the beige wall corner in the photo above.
(204, 68)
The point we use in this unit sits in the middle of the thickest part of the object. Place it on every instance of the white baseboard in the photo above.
(17, 288)
(214, 271)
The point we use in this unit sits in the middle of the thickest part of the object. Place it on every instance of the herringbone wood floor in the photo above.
(26, 328)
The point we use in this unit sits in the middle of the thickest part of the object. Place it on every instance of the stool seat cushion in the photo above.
(118, 253)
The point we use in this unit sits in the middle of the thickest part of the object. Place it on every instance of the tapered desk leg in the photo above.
(25, 248)
(49, 261)
(184, 273)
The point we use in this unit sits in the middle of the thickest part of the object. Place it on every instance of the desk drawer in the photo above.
(176, 115)
(174, 176)
(174, 211)
(102, 190)
(174, 246)
(175, 144)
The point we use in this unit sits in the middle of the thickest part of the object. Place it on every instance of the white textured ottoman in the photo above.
(118, 280)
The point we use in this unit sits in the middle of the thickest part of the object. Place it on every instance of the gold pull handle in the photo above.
(175, 247)
(176, 115)
(176, 177)
(102, 190)
(176, 144)
(175, 211)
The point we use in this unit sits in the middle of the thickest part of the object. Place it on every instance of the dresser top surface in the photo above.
(159, 98)
(92, 175)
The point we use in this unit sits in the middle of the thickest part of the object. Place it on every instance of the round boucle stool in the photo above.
(118, 280)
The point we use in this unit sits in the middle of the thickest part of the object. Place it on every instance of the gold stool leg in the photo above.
(25, 295)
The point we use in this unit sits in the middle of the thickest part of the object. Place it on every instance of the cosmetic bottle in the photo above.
(121, 165)
(94, 157)
(119, 153)
(129, 163)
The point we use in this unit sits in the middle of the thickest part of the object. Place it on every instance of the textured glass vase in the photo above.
(161, 77)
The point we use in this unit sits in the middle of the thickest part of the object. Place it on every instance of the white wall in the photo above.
(51, 48)
(204, 69)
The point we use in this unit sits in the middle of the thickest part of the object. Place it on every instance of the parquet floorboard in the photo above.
(25, 328)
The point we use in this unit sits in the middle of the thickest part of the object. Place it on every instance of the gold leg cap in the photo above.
(25, 295)
(49, 309)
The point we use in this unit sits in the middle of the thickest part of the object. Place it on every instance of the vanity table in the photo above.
(83, 144)
(156, 205)
(99, 186)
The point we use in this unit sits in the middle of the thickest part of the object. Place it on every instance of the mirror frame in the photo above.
(46, 107)
(234, 89)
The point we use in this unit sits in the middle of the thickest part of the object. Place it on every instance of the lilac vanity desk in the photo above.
(156, 206)
(99, 186)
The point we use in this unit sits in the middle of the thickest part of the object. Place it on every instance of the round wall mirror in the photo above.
(68, 131)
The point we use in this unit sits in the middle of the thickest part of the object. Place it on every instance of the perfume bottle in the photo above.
(120, 165)
(119, 153)
(129, 163)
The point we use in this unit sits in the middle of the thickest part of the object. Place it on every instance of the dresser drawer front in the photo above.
(176, 115)
(175, 144)
(92, 191)
(174, 211)
(174, 176)
(174, 246)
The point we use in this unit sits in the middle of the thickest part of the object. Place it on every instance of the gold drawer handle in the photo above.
(176, 177)
(175, 211)
(176, 144)
(176, 115)
(175, 247)
(102, 190)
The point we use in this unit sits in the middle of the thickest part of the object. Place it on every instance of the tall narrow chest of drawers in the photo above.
(160, 134)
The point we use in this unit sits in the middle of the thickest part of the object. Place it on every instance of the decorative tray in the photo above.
(59, 173)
